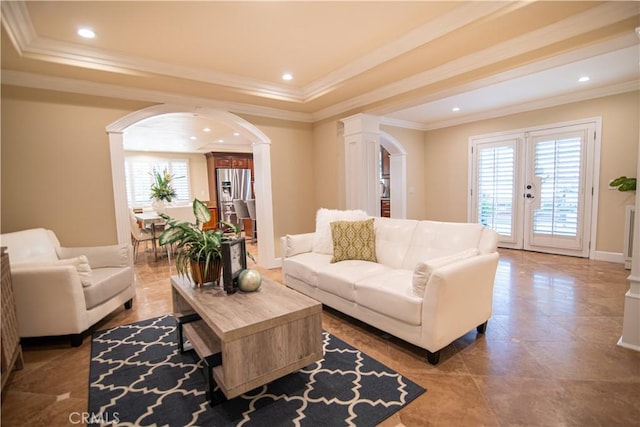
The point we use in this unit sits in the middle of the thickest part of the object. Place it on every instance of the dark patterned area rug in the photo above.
(138, 377)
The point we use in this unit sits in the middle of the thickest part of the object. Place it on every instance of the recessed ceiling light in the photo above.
(86, 33)
(221, 140)
(193, 138)
(287, 76)
(236, 134)
(455, 109)
(584, 79)
(206, 130)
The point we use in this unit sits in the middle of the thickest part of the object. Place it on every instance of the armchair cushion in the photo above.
(107, 282)
(81, 263)
(99, 256)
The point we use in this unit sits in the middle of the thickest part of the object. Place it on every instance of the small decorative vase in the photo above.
(249, 280)
(159, 206)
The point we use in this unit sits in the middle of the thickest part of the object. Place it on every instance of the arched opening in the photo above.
(261, 149)
(398, 174)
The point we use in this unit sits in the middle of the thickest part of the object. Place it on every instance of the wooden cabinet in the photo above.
(385, 208)
(238, 163)
(212, 224)
(9, 340)
(218, 160)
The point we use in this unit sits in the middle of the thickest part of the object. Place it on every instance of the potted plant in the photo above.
(162, 191)
(623, 183)
(198, 251)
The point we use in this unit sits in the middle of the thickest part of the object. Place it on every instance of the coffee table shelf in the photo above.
(249, 339)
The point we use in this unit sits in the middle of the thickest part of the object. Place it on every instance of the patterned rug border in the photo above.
(331, 343)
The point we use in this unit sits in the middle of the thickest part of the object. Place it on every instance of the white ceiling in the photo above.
(408, 62)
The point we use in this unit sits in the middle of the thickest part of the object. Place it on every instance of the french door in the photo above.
(535, 187)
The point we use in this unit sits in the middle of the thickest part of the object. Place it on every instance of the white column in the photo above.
(119, 188)
(264, 205)
(362, 169)
(631, 324)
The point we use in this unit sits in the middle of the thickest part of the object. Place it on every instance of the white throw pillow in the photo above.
(423, 270)
(81, 263)
(322, 241)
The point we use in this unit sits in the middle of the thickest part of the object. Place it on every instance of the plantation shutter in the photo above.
(138, 177)
(495, 185)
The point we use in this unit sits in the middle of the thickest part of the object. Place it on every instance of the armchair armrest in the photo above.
(458, 298)
(293, 244)
(49, 300)
(99, 256)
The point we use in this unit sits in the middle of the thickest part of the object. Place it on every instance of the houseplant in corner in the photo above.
(198, 251)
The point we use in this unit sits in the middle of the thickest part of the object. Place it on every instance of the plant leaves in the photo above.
(201, 212)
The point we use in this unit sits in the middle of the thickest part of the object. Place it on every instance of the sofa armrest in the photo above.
(458, 297)
(293, 244)
(49, 299)
(99, 256)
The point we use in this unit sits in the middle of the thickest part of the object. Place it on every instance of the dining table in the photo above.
(150, 220)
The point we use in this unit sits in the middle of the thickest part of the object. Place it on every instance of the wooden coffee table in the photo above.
(247, 339)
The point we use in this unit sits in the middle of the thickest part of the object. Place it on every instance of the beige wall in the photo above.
(198, 179)
(328, 161)
(446, 157)
(291, 175)
(56, 171)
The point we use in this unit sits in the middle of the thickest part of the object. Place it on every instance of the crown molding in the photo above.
(16, 19)
(601, 15)
(451, 21)
(399, 123)
(61, 84)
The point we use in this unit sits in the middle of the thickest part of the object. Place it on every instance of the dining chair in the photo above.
(138, 235)
(251, 207)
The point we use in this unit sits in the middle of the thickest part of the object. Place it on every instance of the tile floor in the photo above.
(549, 356)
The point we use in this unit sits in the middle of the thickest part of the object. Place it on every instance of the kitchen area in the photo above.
(231, 191)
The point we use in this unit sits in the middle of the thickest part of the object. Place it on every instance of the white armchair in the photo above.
(64, 291)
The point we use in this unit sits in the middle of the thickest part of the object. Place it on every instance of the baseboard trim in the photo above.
(616, 257)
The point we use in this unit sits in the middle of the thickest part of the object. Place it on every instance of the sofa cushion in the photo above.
(423, 270)
(389, 293)
(322, 242)
(393, 237)
(305, 266)
(81, 263)
(107, 282)
(433, 239)
(353, 240)
(340, 278)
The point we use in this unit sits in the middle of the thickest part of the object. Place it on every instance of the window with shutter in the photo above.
(138, 177)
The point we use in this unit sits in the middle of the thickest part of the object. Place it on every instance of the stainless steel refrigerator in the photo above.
(232, 184)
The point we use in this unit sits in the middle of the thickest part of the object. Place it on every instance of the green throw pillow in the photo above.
(353, 240)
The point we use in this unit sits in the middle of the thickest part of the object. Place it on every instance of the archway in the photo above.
(398, 174)
(262, 168)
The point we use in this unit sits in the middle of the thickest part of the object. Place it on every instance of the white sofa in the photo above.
(431, 284)
(64, 291)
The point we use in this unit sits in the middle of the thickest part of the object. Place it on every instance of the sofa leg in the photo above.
(128, 304)
(76, 340)
(433, 358)
(482, 328)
